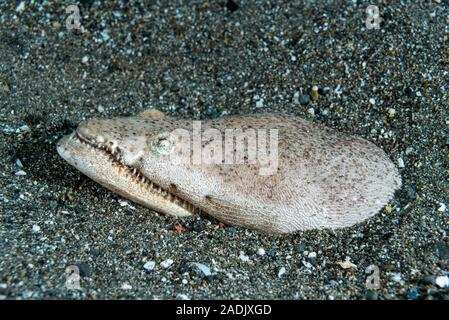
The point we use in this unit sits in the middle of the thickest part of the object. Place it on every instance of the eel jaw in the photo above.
(103, 166)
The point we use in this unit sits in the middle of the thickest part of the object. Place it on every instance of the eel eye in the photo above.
(160, 144)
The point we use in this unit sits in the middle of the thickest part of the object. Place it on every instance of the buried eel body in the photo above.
(321, 178)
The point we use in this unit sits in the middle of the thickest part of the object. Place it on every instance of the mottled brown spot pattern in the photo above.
(325, 179)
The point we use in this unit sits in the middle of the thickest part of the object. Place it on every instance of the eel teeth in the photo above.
(115, 155)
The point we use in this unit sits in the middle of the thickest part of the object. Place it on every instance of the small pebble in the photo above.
(126, 286)
(391, 112)
(85, 59)
(347, 264)
(314, 93)
(167, 263)
(324, 91)
(21, 6)
(104, 35)
(442, 281)
(117, 14)
(213, 113)
(311, 111)
(261, 251)
(36, 228)
(305, 99)
(243, 257)
(312, 255)
(307, 264)
(149, 265)
(281, 272)
(396, 277)
(203, 268)
(296, 96)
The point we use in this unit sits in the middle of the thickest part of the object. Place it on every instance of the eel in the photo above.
(298, 176)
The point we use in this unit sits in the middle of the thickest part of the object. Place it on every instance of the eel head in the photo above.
(123, 155)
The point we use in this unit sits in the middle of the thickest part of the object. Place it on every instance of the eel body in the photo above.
(270, 172)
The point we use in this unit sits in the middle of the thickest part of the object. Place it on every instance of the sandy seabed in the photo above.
(206, 60)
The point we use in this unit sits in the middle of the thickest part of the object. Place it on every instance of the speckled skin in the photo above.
(325, 179)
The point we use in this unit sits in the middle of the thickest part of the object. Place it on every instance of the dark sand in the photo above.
(199, 59)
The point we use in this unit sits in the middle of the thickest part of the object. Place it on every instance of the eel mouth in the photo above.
(101, 162)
